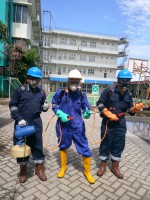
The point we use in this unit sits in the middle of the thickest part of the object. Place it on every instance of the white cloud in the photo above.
(109, 18)
(137, 13)
(139, 50)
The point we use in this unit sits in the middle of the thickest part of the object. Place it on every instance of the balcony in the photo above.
(79, 63)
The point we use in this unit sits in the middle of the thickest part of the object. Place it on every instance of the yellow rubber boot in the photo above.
(63, 161)
(87, 165)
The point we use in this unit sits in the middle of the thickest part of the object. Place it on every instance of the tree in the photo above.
(32, 58)
(20, 61)
(3, 32)
(3, 36)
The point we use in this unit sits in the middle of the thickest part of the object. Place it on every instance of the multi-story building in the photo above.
(94, 55)
(23, 19)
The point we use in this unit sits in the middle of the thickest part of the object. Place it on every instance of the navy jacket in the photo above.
(26, 103)
(113, 100)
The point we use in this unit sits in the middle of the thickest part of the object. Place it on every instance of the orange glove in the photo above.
(110, 115)
(136, 108)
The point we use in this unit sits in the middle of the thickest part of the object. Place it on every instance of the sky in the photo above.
(121, 18)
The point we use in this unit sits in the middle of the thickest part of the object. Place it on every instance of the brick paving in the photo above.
(135, 165)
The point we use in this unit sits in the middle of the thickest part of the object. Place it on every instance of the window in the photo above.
(47, 42)
(93, 44)
(105, 75)
(72, 42)
(84, 71)
(51, 40)
(60, 56)
(89, 88)
(90, 71)
(44, 55)
(44, 43)
(64, 69)
(62, 85)
(50, 70)
(63, 41)
(47, 70)
(83, 57)
(71, 56)
(69, 70)
(84, 43)
(65, 56)
(84, 87)
(48, 56)
(20, 14)
(59, 70)
(91, 58)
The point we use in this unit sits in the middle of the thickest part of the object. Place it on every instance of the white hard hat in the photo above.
(74, 74)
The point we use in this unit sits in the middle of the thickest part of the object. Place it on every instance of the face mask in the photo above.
(34, 84)
(124, 83)
(73, 87)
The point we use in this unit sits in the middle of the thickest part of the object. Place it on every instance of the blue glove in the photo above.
(87, 113)
(63, 116)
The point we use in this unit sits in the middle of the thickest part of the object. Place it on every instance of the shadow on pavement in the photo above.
(4, 121)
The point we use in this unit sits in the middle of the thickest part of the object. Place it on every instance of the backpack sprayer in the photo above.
(21, 150)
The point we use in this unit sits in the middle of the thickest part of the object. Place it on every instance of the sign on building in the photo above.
(95, 89)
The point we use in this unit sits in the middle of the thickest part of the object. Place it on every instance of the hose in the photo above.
(91, 132)
(44, 135)
(70, 118)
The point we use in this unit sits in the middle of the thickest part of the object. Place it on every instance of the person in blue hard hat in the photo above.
(69, 104)
(112, 104)
(26, 105)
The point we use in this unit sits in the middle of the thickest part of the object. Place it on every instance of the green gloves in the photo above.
(87, 113)
(63, 116)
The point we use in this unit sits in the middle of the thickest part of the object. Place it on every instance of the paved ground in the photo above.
(135, 165)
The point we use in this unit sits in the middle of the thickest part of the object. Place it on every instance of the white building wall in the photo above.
(22, 31)
(30, 30)
(59, 54)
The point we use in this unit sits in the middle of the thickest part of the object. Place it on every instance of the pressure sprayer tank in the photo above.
(21, 150)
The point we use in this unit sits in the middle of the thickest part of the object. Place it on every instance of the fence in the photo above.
(8, 85)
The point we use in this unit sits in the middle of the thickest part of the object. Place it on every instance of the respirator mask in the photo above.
(74, 85)
(124, 83)
(33, 82)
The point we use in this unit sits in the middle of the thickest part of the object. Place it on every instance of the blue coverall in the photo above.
(27, 104)
(114, 141)
(72, 104)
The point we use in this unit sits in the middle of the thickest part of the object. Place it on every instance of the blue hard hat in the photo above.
(124, 74)
(35, 72)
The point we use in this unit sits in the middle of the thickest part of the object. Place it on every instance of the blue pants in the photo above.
(75, 134)
(114, 142)
(35, 142)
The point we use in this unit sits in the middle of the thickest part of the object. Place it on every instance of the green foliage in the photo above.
(3, 32)
(31, 57)
(20, 61)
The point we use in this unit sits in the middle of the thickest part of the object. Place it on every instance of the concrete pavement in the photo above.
(135, 165)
